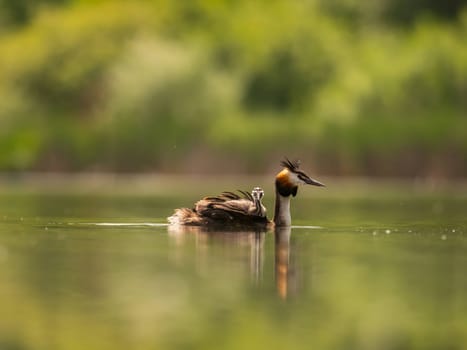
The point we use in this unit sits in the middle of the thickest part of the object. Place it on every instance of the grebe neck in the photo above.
(282, 211)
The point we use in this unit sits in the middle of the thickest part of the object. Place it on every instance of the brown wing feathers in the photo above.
(228, 195)
(227, 206)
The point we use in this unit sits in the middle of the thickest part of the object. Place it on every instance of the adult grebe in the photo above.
(245, 209)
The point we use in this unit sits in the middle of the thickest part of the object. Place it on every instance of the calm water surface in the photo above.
(375, 274)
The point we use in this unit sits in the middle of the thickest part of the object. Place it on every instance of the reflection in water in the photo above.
(256, 256)
(120, 286)
(282, 258)
(283, 269)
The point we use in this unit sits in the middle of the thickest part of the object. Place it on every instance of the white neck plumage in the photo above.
(282, 211)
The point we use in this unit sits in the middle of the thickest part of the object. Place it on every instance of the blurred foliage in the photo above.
(377, 88)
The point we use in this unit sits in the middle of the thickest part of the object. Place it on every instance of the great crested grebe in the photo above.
(245, 209)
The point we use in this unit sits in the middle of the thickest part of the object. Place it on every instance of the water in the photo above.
(103, 271)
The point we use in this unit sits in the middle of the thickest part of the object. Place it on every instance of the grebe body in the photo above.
(246, 209)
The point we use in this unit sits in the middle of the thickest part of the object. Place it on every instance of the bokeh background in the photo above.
(112, 113)
(375, 88)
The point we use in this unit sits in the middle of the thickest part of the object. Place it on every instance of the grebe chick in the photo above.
(245, 209)
(258, 209)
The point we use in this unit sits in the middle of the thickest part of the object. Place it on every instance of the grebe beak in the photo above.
(310, 181)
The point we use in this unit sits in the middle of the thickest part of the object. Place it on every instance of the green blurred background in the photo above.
(376, 88)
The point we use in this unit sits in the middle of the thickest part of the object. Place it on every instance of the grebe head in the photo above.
(257, 193)
(288, 180)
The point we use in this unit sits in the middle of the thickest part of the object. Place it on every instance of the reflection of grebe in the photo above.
(204, 238)
(246, 209)
(282, 252)
(285, 276)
